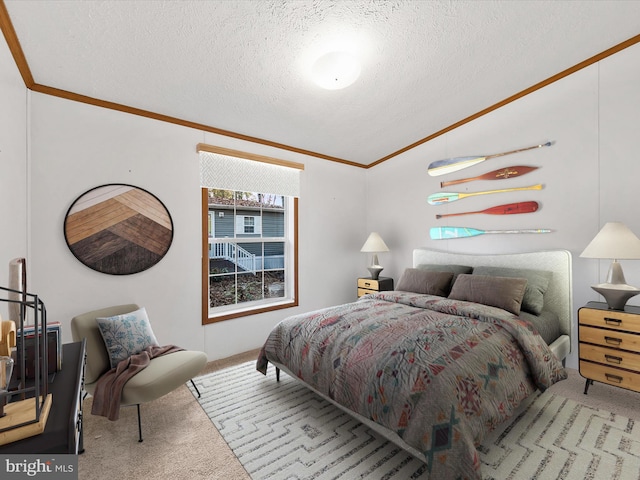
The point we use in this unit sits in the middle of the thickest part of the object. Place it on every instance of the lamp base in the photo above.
(375, 270)
(616, 295)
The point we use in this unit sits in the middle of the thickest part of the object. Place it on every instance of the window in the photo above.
(247, 224)
(249, 249)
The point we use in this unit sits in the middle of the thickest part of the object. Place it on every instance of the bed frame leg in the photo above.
(277, 374)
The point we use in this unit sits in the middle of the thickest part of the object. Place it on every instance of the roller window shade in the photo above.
(234, 173)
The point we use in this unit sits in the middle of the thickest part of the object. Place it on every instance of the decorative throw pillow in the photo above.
(455, 269)
(501, 292)
(434, 267)
(537, 284)
(426, 282)
(127, 334)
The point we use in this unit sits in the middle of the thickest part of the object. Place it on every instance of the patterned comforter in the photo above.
(440, 373)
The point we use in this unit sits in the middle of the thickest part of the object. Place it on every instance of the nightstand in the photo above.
(368, 285)
(609, 345)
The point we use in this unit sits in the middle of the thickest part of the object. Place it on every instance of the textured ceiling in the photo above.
(242, 66)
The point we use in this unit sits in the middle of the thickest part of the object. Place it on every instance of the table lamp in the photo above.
(375, 245)
(614, 241)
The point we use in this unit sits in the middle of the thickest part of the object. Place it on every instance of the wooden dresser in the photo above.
(368, 285)
(63, 431)
(609, 345)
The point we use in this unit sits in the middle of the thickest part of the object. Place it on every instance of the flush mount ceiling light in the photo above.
(335, 70)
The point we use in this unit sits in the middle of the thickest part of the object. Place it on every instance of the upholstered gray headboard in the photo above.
(558, 297)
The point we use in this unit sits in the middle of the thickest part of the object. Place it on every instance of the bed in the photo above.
(446, 358)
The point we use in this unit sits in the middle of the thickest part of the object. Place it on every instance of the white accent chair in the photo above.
(163, 374)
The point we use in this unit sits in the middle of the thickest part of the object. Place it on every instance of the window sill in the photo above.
(289, 303)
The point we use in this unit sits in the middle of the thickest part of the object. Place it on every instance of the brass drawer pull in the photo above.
(612, 359)
(613, 340)
(613, 378)
(613, 321)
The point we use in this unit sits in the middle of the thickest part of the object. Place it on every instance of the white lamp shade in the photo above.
(374, 244)
(614, 241)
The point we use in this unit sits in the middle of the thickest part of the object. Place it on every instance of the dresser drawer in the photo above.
(609, 319)
(369, 284)
(609, 338)
(610, 375)
(610, 357)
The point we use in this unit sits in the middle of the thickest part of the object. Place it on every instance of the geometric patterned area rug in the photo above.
(284, 431)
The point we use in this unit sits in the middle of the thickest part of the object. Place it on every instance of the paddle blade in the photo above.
(442, 197)
(450, 165)
(511, 208)
(443, 233)
(500, 174)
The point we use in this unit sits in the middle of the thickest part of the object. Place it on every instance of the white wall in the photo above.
(13, 166)
(75, 147)
(590, 175)
(53, 150)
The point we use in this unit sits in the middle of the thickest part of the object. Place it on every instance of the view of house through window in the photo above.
(249, 250)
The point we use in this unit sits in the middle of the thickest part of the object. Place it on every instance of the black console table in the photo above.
(63, 431)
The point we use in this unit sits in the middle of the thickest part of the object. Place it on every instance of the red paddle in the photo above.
(507, 209)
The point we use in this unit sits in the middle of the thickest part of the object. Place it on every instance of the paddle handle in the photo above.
(486, 192)
(443, 215)
(495, 155)
(515, 189)
(521, 230)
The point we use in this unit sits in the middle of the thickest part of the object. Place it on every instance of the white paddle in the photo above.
(450, 165)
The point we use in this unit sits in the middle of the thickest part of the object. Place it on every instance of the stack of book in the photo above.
(54, 349)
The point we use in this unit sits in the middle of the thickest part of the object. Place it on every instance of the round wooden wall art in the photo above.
(118, 229)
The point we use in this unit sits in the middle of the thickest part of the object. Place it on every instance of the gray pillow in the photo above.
(537, 284)
(501, 292)
(455, 269)
(547, 324)
(426, 282)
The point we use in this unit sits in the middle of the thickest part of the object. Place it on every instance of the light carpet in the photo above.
(284, 431)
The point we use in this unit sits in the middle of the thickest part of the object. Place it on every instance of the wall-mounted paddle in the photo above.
(450, 165)
(448, 197)
(445, 233)
(506, 209)
(500, 174)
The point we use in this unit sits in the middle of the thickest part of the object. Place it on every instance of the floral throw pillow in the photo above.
(127, 334)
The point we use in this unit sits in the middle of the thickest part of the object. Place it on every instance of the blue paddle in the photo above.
(444, 233)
